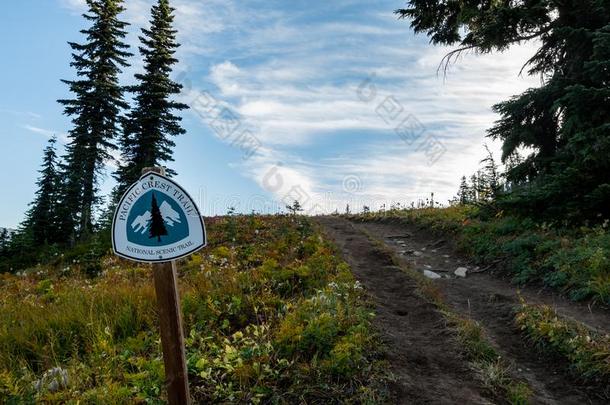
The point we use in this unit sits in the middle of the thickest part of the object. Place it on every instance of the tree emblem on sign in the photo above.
(157, 224)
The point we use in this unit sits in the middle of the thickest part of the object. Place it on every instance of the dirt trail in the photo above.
(439, 255)
(422, 354)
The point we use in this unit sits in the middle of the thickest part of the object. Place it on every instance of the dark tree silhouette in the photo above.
(562, 124)
(41, 221)
(95, 108)
(295, 208)
(4, 241)
(152, 123)
(463, 196)
(157, 224)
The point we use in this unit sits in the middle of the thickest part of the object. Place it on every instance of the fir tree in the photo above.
(157, 223)
(565, 122)
(151, 124)
(41, 219)
(512, 178)
(22, 248)
(474, 188)
(463, 195)
(95, 111)
(4, 242)
(489, 185)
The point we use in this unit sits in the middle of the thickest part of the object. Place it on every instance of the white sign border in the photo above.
(139, 260)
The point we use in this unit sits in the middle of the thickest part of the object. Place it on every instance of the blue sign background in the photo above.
(174, 218)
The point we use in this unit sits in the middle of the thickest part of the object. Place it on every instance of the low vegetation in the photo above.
(575, 261)
(588, 353)
(271, 315)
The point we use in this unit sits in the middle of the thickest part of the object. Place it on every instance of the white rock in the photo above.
(431, 274)
(52, 380)
(461, 271)
(417, 253)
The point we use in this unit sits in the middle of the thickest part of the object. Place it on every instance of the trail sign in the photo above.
(156, 221)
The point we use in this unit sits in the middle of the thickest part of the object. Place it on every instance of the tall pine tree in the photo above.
(151, 124)
(566, 121)
(4, 242)
(41, 219)
(463, 195)
(95, 108)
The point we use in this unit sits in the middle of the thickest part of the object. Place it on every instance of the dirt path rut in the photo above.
(422, 353)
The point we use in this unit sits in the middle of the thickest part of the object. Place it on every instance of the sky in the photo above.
(328, 103)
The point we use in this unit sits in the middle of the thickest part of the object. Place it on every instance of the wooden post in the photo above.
(170, 325)
(172, 337)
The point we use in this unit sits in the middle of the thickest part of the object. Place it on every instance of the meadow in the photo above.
(271, 314)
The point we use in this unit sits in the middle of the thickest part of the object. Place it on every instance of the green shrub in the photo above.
(587, 353)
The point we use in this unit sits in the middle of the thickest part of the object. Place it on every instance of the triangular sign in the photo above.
(156, 221)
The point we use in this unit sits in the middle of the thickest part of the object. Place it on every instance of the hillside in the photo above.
(271, 314)
(346, 202)
(275, 313)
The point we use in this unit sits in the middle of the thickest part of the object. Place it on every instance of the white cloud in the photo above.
(29, 114)
(62, 137)
(294, 79)
(288, 113)
(76, 6)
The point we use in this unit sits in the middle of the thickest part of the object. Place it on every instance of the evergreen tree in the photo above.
(157, 223)
(566, 121)
(463, 195)
(512, 178)
(4, 242)
(473, 188)
(148, 128)
(95, 111)
(482, 187)
(489, 185)
(41, 219)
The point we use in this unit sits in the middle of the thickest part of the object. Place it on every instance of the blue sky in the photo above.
(326, 102)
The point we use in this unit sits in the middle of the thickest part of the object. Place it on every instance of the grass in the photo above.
(493, 371)
(588, 353)
(271, 315)
(575, 261)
